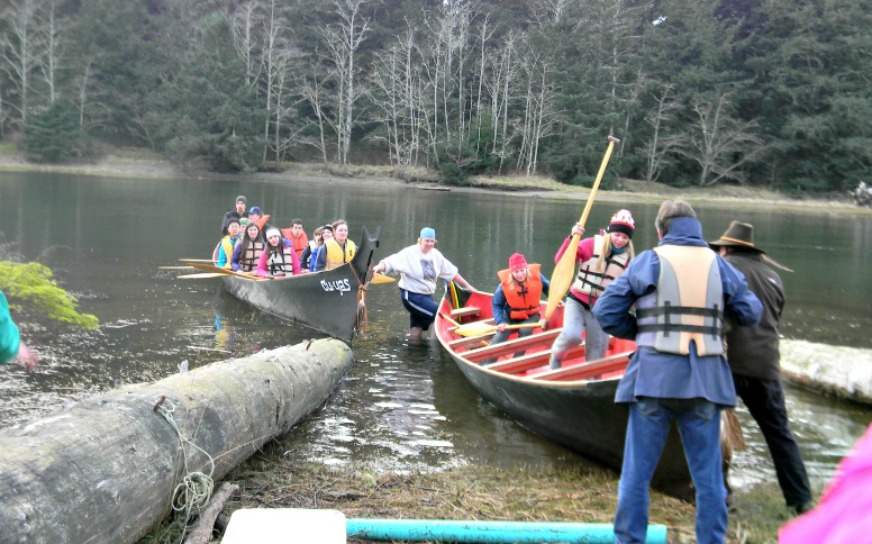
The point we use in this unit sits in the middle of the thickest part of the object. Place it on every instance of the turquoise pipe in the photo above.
(489, 531)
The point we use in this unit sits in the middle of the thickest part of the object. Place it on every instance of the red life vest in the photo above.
(523, 298)
(299, 244)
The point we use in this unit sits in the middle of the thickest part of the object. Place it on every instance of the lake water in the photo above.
(402, 406)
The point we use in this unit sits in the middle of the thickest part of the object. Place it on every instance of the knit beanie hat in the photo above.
(623, 222)
(517, 262)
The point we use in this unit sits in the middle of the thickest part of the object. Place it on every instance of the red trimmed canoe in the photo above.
(573, 406)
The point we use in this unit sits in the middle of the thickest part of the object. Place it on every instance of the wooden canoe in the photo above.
(326, 301)
(573, 406)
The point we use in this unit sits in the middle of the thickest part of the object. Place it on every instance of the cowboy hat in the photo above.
(738, 234)
(741, 235)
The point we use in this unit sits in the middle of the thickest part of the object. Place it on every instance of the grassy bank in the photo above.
(577, 494)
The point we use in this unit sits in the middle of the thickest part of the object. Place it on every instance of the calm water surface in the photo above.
(402, 406)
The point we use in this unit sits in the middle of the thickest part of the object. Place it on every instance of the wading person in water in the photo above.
(420, 266)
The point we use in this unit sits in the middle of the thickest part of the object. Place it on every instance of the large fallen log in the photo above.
(838, 371)
(105, 470)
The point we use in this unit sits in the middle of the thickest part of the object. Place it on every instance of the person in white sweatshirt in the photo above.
(420, 266)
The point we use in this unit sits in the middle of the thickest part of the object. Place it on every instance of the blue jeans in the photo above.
(699, 424)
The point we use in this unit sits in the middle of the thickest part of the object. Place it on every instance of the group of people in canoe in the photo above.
(705, 319)
(251, 245)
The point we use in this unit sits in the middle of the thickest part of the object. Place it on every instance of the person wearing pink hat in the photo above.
(516, 299)
(603, 258)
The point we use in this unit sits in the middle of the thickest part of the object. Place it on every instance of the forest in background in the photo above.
(766, 93)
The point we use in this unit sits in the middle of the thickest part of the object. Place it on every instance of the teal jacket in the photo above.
(9, 338)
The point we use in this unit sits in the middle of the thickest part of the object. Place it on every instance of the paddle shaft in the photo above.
(478, 328)
(225, 271)
(561, 279)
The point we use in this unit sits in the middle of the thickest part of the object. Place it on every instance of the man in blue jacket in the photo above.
(683, 292)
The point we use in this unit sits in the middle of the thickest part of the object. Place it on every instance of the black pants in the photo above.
(765, 402)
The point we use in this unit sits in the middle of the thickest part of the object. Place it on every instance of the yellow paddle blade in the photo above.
(477, 328)
(561, 279)
(381, 278)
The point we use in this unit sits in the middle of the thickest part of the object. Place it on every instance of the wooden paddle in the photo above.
(563, 273)
(183, 267)
(480, 328)
(201, 276)
(226, 271)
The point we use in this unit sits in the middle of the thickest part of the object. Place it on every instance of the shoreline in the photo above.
(540, 188)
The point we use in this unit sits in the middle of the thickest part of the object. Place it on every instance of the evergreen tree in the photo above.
(53, 136)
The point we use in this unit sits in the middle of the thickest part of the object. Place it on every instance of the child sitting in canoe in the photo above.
(277, 259)
(516, 300)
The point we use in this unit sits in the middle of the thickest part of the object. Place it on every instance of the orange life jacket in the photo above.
(523, 298)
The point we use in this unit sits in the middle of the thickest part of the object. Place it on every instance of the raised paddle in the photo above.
(561, 279)
(480, 328)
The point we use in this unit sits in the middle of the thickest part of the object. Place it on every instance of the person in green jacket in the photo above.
(11, 346)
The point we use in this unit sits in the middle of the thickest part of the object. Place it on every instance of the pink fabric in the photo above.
(844, 514)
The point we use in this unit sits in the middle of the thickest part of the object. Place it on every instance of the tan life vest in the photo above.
(249, 259)
(278, 263)
(688, 304)
(592, 281)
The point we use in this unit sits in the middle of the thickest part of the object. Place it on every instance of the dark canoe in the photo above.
(573, 406)
(325, 301)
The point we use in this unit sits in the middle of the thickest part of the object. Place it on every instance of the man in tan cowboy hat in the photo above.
(754, 359)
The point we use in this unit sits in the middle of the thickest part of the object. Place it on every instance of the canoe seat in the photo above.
(466, 311)
(470, 341)
(586, 371)
(512, 346)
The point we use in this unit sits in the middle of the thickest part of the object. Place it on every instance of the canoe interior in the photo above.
(573, 405)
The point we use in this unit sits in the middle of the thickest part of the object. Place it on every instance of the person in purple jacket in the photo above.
(683, 293)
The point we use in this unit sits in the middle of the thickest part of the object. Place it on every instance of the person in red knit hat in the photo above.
(603, 258)
(516, 299)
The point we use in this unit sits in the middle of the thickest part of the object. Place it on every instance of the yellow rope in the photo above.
(195, 490)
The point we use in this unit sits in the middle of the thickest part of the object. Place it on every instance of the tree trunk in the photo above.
(105, 469)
